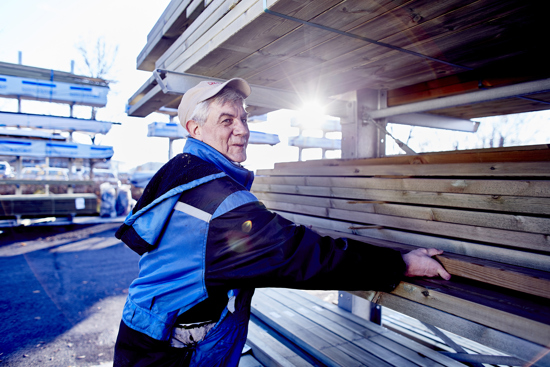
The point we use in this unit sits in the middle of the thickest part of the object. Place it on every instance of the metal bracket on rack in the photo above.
(369, 120)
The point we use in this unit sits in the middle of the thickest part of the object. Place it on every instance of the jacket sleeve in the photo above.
(252, 247)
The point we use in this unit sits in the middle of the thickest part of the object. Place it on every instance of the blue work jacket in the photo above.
(201, 232)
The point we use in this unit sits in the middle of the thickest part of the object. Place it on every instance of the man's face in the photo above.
(226, 130)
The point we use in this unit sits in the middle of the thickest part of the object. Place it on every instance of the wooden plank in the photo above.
(519, 279)
(151, 102)
(424, 91)
(509, 204)
(298, 41)
(486, 270)
(271, 352)
(412, 327)
(249, 361)
(478, 359)
(212, 33)
(203, 24)
(361, 337)
(532, 153)
(312, 314)
(498, 340)
(496, 169)
(384, 25)
(314, 339)
(266, 28)
(422, 332)
(379, 59)
(170, 25)
(472, 32)
(521, 223)
(378, 62)
(517, 304)
(535, 188)
(194, 6)
(421, 355)
(508, 276)
(531, 241)
(346, 229)
(516, 325)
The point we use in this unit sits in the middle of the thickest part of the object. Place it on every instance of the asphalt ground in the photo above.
(62, 290)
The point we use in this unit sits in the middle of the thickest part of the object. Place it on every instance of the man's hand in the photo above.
(420, 264)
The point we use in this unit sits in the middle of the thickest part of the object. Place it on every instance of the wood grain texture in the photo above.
(477, 250)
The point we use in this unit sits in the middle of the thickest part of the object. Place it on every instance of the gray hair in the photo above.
(227, 95)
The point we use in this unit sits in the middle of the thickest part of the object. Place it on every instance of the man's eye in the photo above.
(245, 121)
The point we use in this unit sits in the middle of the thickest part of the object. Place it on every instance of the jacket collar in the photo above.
(209, 154)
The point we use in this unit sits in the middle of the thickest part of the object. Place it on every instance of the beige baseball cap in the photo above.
(205, 90)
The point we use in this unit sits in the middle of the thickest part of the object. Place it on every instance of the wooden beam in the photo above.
(505, 342)
(522, 327)
(532, 153)
(518, 278)
(313, 338)
(298, 315)
(510, 204)
(473, 249)
(269, 351)
(151, 102)
(530, 188)
(398, 355)
(499, 237)
(195, 44)
(372, 66)
(497, 169)
(166, 30)
(449, 86)
(366, 328)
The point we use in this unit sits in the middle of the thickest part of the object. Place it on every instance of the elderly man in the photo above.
(206, 243)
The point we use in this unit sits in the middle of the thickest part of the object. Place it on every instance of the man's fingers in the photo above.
(441, 270)
(433, 251)
(444, 273)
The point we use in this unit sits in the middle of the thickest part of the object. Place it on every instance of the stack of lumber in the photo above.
(319, 333)
(237, 38)
(176, 18)
(489, 210)
(48, 205)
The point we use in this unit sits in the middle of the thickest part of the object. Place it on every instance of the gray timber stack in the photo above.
(488, 210)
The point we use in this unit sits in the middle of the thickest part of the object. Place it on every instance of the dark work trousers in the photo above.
(135, 349)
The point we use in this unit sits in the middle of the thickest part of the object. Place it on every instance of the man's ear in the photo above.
(194, 129)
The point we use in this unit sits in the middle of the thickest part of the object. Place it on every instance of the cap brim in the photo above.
(239, 84)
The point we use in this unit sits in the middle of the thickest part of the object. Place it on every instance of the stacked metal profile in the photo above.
(36, 137)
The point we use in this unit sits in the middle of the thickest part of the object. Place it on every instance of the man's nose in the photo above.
(241, 128)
